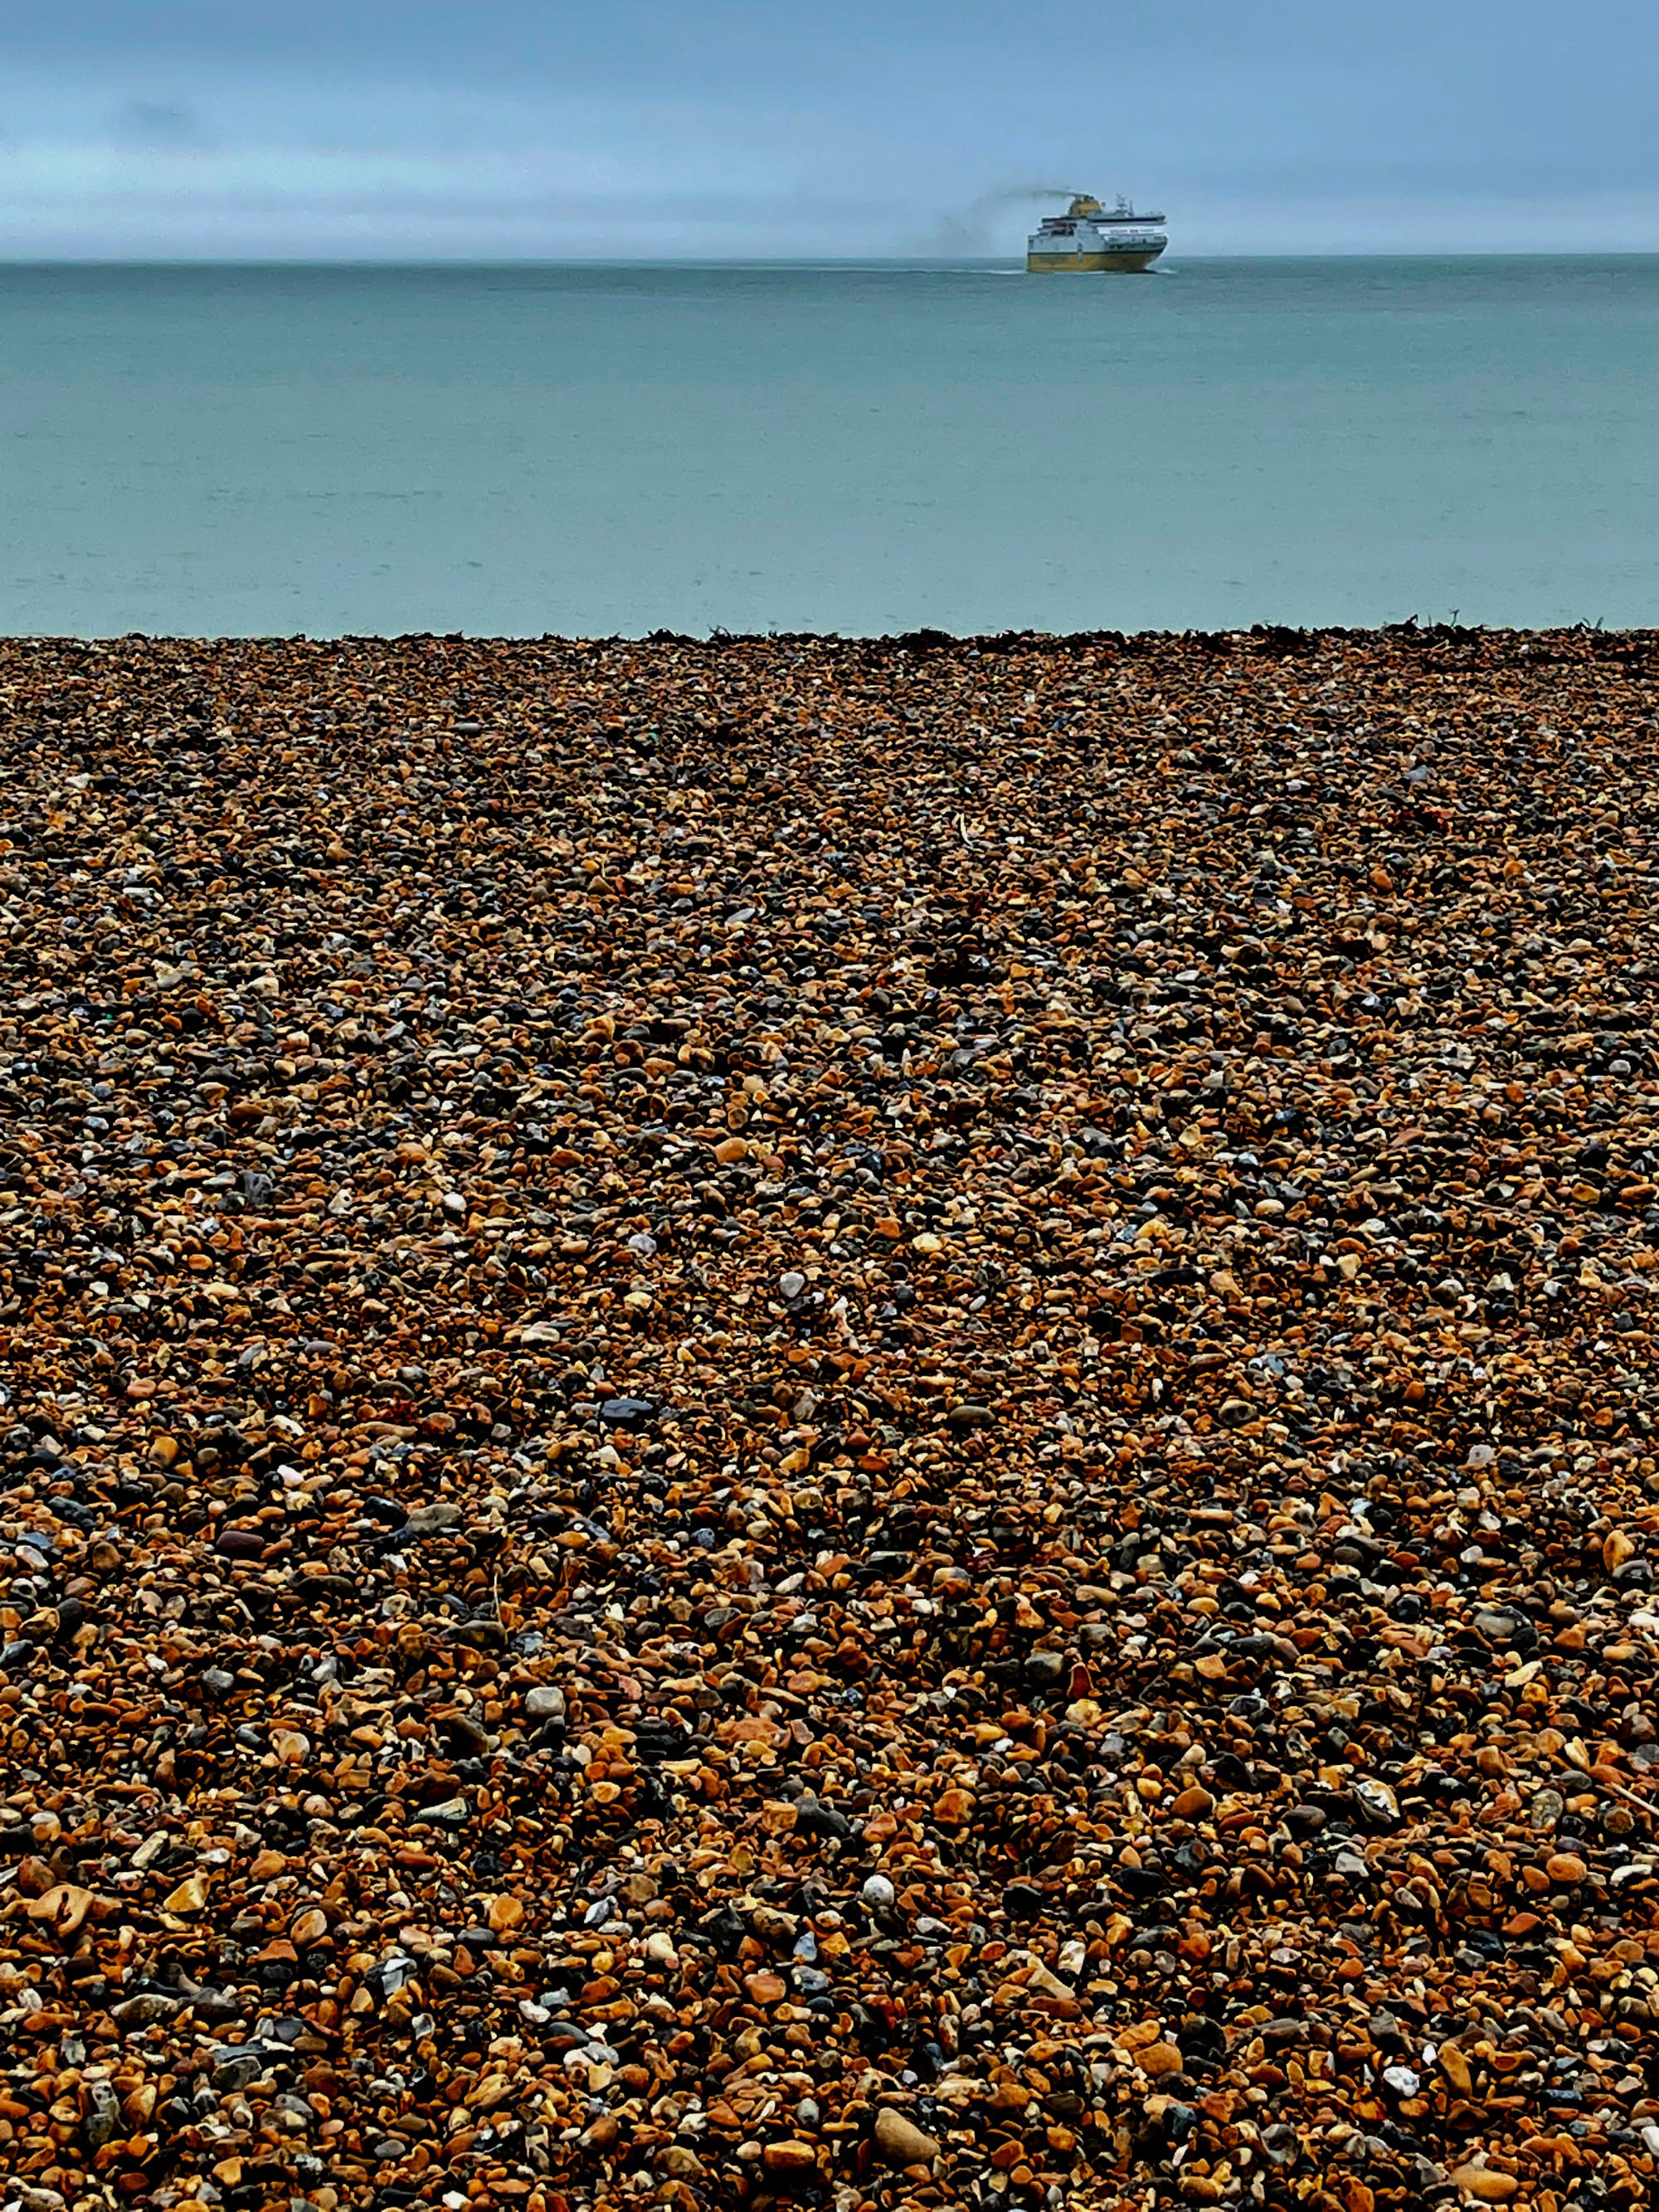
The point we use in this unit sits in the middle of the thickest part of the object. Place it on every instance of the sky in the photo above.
(725, 129)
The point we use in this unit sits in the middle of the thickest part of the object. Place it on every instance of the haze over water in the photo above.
(596, 449)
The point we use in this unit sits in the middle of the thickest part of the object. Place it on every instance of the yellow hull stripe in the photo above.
(1079, 265)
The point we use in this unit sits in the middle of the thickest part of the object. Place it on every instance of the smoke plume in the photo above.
(967, 231)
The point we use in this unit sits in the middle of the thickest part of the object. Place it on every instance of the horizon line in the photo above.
(17, 261)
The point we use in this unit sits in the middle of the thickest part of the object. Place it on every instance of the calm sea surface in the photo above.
(599, 449)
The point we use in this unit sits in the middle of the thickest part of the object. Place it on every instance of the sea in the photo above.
(601, 450)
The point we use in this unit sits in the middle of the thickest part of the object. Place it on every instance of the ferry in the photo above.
(1089, 237)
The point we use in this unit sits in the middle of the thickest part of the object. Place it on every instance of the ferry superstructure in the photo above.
(1090, 238)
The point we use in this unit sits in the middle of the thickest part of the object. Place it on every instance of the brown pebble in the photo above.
(789, 2158)
(900, 2142)
(1486, 2185)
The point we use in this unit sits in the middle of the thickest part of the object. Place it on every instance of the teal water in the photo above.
(590, 450)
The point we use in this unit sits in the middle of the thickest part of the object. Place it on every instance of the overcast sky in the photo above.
(548, 128)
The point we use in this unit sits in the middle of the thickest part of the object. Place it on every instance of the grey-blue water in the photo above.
(598, 449)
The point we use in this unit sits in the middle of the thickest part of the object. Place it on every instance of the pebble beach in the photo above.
(850, 1423)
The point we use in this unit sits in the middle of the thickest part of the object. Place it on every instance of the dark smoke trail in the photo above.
(967, 231)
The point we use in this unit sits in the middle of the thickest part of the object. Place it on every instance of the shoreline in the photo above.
(851, 1420)
(1284, 638)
